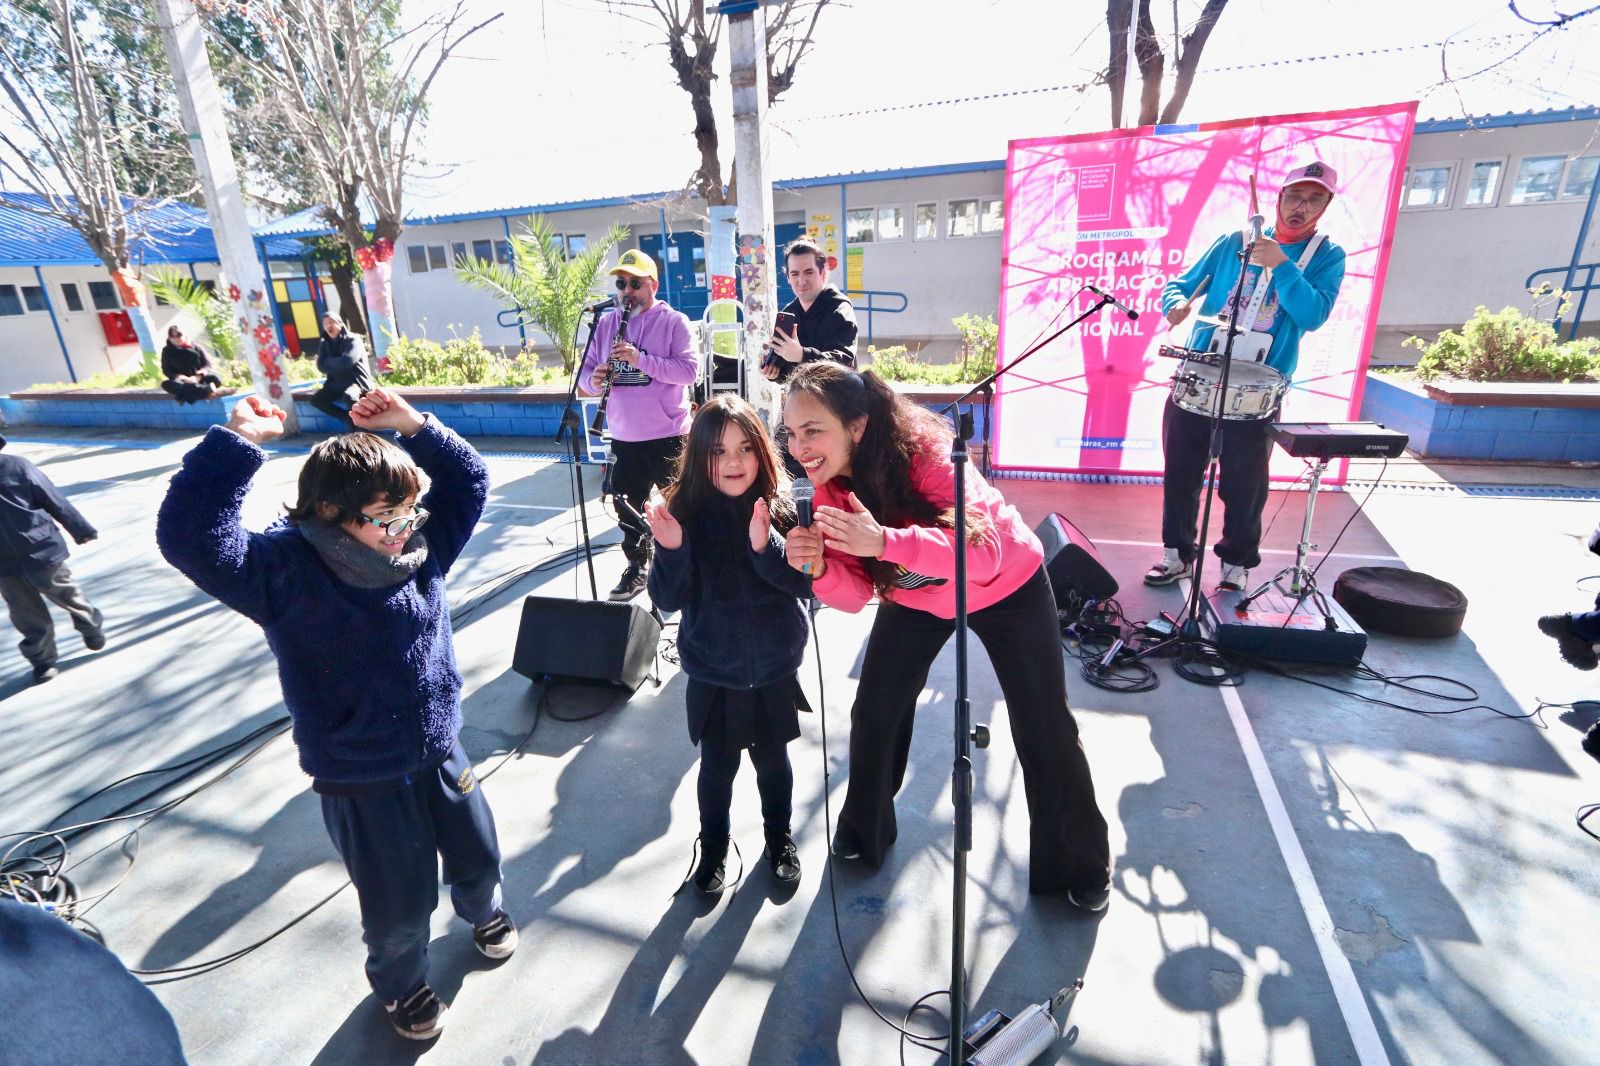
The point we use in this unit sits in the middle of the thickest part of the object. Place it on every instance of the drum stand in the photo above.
(1301, 579)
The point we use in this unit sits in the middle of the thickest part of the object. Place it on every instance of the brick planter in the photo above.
(1514, 421)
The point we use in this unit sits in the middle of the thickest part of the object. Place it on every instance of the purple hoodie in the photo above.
(651, 402)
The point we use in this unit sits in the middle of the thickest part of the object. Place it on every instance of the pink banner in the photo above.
(1128, 210)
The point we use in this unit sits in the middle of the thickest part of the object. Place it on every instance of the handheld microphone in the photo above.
(604, 305)
(802, 491)
(1113, 301)
(1256, 223)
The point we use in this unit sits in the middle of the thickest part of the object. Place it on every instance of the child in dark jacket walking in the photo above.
(742, 636)
(351, 595)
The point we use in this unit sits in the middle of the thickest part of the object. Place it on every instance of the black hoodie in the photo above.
(826, 330)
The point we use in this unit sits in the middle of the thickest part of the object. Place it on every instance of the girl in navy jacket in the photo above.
(741, 639)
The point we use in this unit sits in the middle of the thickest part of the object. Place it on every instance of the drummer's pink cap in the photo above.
(1317, 174)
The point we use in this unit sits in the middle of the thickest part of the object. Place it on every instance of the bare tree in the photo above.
(692, 40)
(1152, 60)
(93, 137)
(350, 87)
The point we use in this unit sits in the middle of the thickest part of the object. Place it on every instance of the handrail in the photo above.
(1571, 272)
(872, 307)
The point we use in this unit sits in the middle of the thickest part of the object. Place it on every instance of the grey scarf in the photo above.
(356, 564)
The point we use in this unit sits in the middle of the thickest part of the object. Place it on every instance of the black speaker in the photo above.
(586, 640)
(1073, 564)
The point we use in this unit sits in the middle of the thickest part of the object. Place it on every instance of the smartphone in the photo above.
(786, 322)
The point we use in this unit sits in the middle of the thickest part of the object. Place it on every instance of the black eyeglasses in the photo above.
(396, 526)
(631, 283)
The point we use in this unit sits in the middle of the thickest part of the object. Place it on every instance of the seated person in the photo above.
(190, 377)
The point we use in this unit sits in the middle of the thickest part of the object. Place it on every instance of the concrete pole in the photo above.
(243, 281)
(758, 259)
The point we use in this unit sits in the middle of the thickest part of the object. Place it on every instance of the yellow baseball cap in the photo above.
(636, 263)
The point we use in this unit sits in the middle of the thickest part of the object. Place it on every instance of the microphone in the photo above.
(1113, 301)
(802, 492)
(604, 305)
(1256, 222)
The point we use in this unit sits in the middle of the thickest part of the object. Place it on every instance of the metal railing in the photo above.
(872, 306)
(1570, 275)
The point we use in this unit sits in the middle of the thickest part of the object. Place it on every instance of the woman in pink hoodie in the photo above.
(884, 526)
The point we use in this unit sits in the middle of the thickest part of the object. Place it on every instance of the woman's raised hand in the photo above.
(854, 532)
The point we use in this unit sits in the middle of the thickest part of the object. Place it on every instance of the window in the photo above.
(859, 225)
(1537, 178)
(33, 298)
(1580, 178)
(70, 294)
(1428, 186)
(502, 252)
(891, 223)
(1483, 187)
(436, 259)
(103, 295)
(993, 218)
(963, 218)
(927, 222)
(419, 258)
(577, 244)
(10, 302)
(458, 251)
(483, 251)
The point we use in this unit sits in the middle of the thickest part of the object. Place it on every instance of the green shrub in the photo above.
(896, 363)
(1509, 345)
(462, 361)
(980, 343)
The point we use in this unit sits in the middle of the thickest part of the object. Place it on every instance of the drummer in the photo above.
(1301, 271)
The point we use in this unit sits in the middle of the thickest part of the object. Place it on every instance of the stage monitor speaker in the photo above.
(1070, 558)
(586, 640)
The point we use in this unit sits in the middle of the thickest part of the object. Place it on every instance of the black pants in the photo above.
(1068, 843)
(193, 392)
(1243, 483)
(774, 780)
(347, 385)
(637, 465)
(391, 843)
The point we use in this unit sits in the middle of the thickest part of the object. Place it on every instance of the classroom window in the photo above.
(859, 225)
(103, 295)
(1483, 186)
(577, 244)
(502, 252)
(418, 255)
(891, 223)
(1428, 186)
(71, 296)
(10, 300)
(963, 218)
(33, 298)
(458, 252)
(436, 259)
(993, 217)
(483, 251)
(1538, 176)
(927, 222)
(1580, 178)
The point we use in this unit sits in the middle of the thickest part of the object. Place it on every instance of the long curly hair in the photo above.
(896, 431)
(695, 486)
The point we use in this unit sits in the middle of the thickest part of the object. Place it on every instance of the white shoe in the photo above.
(1169, 569)
(1234, 578)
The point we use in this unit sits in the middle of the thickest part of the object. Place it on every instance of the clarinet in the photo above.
(599, 425)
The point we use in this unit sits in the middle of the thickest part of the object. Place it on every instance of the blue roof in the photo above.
(171, 233)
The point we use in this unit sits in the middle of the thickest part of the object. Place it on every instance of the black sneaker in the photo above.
(783, 857)
(1574, 649)
(94, 640)
(1092, 900)
(420, 1016)
(845, 847)
(709, 876)
(632, 583)
(41, 674)
(496, 938)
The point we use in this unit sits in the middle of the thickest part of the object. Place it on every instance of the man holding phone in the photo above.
(818, 323)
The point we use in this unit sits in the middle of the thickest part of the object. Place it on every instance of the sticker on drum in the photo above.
(1254, 390)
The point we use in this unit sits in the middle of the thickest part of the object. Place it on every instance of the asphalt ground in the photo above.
(1302, 877)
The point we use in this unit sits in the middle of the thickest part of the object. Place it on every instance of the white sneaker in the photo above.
(1234, 578)
(1169, 569)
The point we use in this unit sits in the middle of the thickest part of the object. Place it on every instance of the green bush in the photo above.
(463, 361)
(896, 363)
(1509, 345)
(980, 343)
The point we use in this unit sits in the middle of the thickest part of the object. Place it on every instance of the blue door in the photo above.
(685, 283)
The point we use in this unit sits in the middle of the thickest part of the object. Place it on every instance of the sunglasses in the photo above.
(631, 283)
(396, 526)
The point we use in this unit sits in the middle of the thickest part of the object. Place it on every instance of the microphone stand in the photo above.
(572, 425)
(966, 734)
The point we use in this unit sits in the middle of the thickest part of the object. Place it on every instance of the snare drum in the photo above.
(1254, 390)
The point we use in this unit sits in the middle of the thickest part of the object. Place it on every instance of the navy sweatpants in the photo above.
(391, 843)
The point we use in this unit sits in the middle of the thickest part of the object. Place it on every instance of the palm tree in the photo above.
(545, 284)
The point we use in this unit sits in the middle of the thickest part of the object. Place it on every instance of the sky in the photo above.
(566, 100)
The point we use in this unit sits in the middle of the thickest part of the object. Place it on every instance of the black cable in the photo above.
(1584, 813)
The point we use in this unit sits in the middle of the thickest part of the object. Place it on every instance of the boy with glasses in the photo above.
(1302, 271)
(649, 370)
(351, 595)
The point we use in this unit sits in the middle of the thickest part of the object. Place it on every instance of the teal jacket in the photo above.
(1302, 299)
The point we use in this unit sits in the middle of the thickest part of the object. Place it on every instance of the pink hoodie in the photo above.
(997, 565)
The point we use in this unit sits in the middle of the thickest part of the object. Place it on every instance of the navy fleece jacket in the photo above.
(369, 675)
